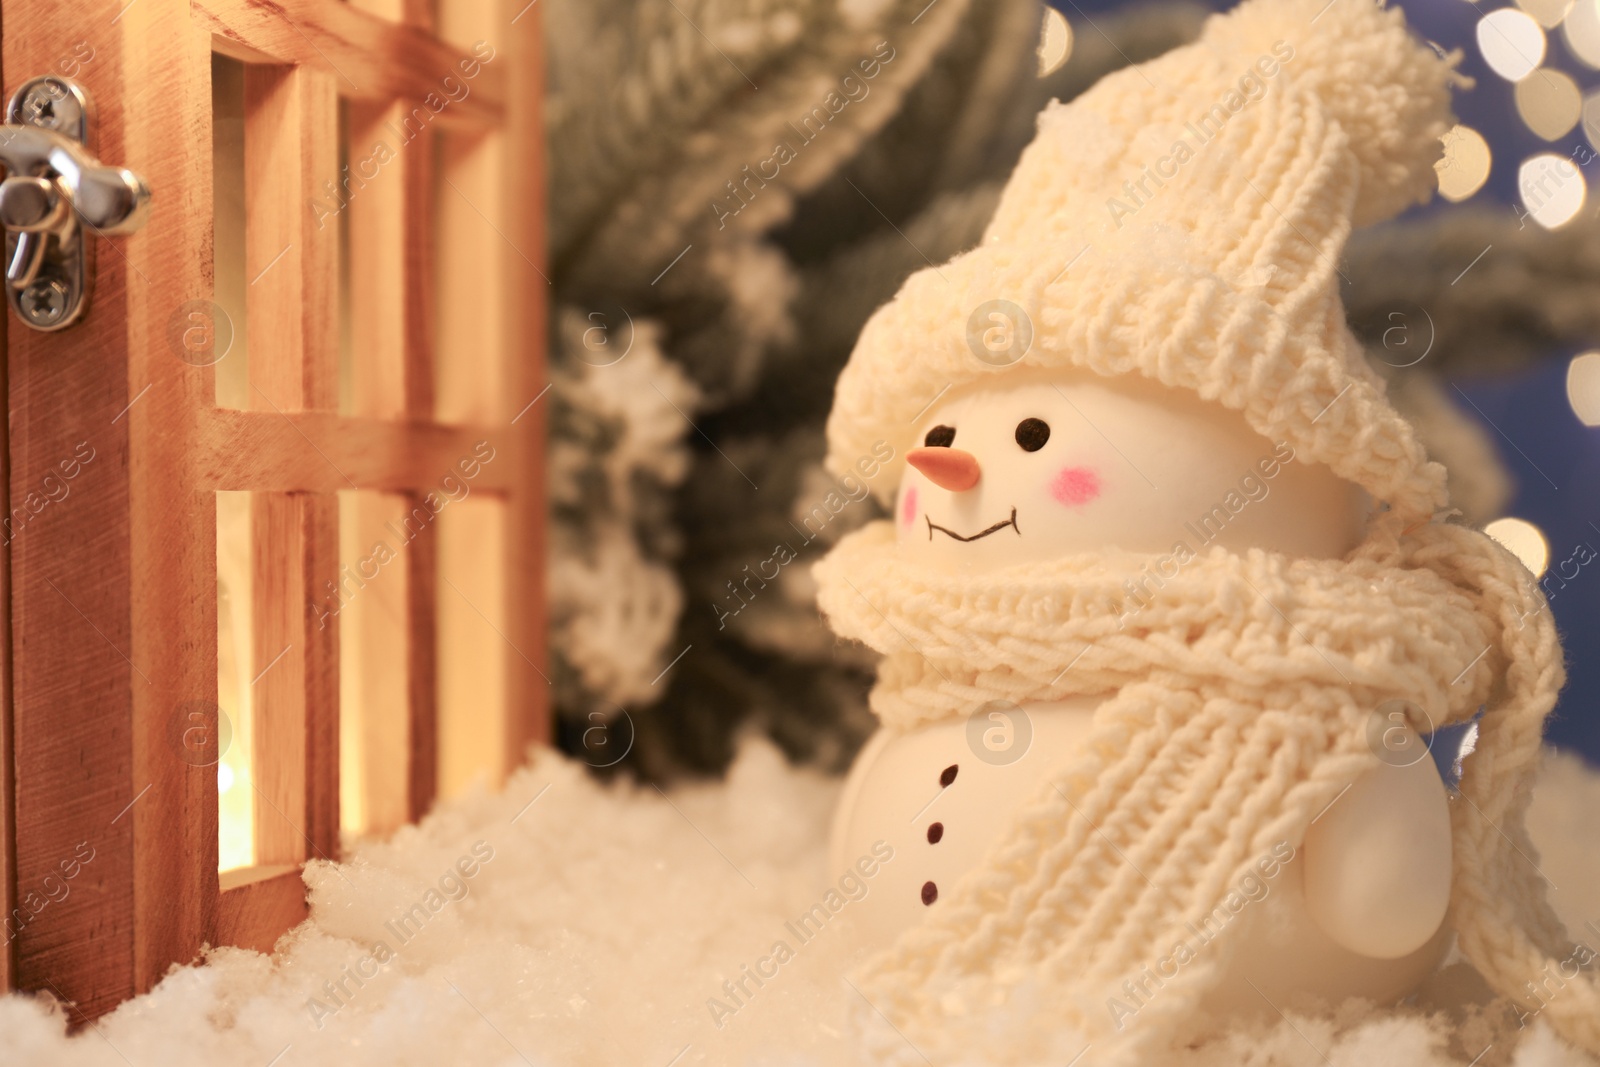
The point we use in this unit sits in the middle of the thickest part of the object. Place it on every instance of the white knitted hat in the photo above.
(1184, 220)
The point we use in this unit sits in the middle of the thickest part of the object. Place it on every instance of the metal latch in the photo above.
(54, 190)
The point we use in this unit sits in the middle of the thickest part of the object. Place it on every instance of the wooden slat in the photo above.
(278, 670)
(8, 824)
(526, 329)
(258, 904)
(416, 224)
(291, 149)
(321, 544)
(417, 308)
(324, 453)
(422, 563)
(295, 680)
(372, 58)
(113, 593)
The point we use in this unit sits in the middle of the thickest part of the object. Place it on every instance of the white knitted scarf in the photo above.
(1237, 694)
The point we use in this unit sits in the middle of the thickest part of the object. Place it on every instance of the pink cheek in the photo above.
(1075, 486)
(908, 506)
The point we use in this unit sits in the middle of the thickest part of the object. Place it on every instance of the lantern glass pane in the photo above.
(235, 670)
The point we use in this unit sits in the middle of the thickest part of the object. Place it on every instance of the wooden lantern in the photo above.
(346, 352)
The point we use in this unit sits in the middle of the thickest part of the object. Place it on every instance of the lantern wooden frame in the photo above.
(110, 592)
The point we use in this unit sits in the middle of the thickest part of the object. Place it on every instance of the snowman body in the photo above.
(1038, 466)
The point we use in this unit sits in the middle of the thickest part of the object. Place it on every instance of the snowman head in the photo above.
(1138, 241)
(1036, 465)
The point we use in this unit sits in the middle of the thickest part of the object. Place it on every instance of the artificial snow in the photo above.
(567, 922)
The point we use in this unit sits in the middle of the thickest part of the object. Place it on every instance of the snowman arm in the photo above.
(1377, 862)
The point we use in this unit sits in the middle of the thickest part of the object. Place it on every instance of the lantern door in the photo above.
(273, 554)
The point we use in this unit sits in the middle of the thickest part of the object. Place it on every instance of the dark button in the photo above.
(930, 892)
(949, 774)
(935, 833)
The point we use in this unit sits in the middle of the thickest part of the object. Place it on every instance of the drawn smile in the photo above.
(1011, 522)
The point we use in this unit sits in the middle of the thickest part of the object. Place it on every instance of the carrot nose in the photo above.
(948, 468)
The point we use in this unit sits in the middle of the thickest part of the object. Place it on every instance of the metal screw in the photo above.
(51, 105)
(45, 301)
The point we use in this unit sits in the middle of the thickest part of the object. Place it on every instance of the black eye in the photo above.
(1032, 434)
(944, 436)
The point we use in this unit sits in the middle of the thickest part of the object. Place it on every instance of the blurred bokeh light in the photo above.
(1512, 43)
(1583, 387)
(1055, 42)
(1465, 165)
(1524, 540)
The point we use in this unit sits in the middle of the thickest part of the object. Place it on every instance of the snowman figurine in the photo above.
(1169, 596)
(1028, 466)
